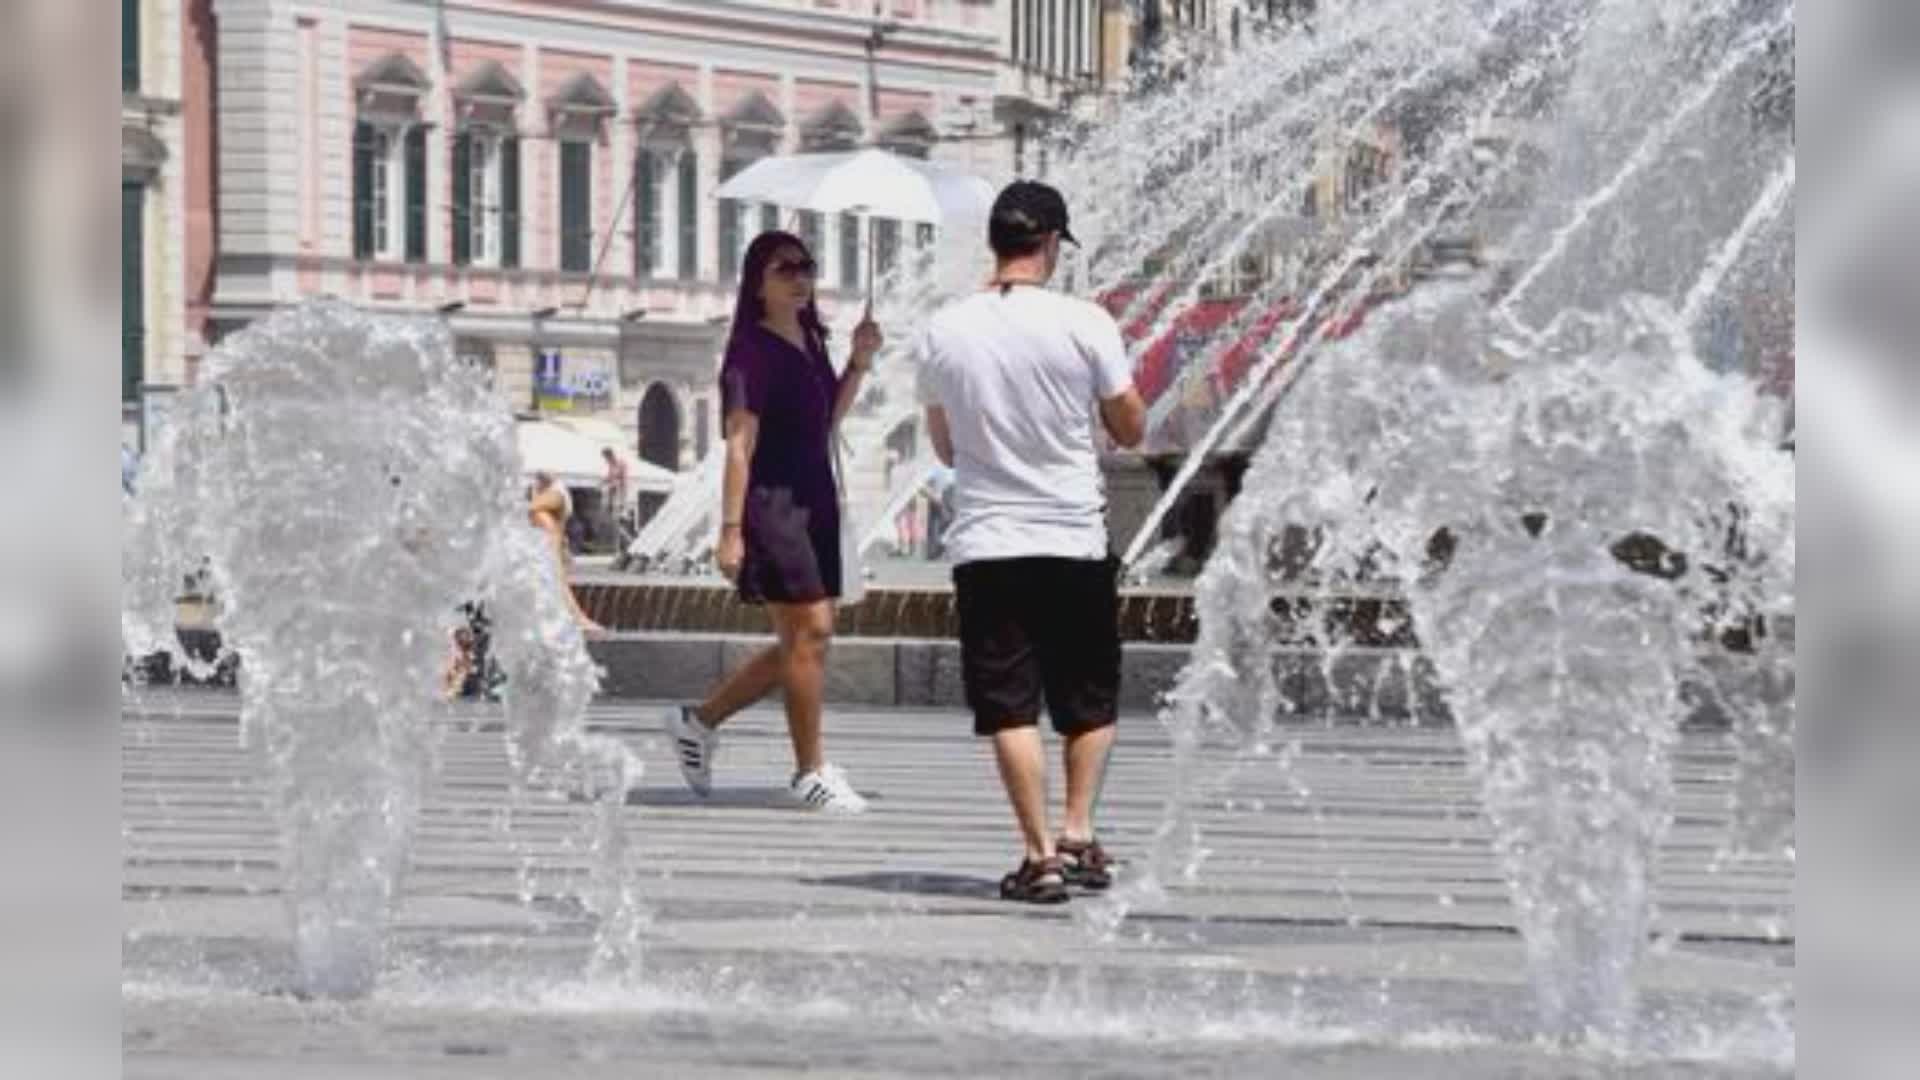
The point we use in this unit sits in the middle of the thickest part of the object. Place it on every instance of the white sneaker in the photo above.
(694, 745)
(826, 790)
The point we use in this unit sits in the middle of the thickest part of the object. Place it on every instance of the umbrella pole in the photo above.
(871, 230)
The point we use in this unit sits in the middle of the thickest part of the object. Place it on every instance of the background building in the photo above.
(542, 174)
(154, 343)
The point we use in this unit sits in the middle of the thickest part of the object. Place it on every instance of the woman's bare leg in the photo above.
(557, 540)
(747, 684)
(806, 632)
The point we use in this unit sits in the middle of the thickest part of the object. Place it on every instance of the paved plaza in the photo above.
(1349, 921)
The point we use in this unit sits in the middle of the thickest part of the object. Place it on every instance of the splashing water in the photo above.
(1559, 520)
(339, 483)
(1580, 516)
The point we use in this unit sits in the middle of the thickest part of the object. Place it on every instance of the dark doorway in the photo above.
(660, 428)
(659, 441)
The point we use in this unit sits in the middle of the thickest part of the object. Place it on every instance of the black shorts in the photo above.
(1035, 629)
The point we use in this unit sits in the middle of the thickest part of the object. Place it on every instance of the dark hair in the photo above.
(1010, 243)
(747, 308)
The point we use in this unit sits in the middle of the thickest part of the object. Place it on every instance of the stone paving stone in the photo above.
(878, 944)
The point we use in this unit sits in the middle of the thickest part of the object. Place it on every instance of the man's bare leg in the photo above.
(1023, 771)
(1086, 754)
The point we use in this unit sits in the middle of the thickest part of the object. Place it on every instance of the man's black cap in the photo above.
(1027, 210)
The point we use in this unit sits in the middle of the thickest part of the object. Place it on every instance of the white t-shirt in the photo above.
(1020, 376)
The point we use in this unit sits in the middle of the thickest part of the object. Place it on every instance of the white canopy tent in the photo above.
(573, 455)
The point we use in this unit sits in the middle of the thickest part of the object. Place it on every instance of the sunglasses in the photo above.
(796, 268)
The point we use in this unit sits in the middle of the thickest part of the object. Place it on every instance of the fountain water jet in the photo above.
(1583, 491)
(341, 483)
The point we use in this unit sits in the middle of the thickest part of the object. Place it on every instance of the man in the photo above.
(939, 509)
(613, 489)
(1011, 378)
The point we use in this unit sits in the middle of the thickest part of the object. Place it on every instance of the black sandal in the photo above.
(1084, 864)
(1037, 881)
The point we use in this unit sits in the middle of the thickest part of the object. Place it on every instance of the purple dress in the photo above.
(791, 526)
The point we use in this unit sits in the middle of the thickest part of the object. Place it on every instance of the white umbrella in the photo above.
(574, 459)
(869, 181)
(642, 475)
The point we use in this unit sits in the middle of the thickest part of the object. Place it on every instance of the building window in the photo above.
(689, 208)
(1053, 35)
(811, 225)
(923, 246)
(1015, 40)
(390, 193)
(129, 46)
(849, 251)
(479, 189)
(646, 214)
(483, 186)
(769, 217)
(886, 243)
(133, 301)
(576, 206)
(375, 152)
(1078, 59)
(1368, 169)
(1032, 54)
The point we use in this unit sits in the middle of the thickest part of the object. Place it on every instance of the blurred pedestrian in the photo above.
(550, 509)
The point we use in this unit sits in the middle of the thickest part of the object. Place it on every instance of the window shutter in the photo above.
(133, 307)
(510, 201)
(689, 215)
(730, 215)
(363, 191)
(646, 214)
(576, 193)
(129, 46)
(463, 199)
(417, 195)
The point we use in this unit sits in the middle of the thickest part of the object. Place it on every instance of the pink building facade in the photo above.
(541, 173)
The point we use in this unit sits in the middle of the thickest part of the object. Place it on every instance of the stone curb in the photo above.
(1391, 685)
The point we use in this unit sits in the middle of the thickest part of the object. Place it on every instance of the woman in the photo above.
(549, 507)
(780, 521)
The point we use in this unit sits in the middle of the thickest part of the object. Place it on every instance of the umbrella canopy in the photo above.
(642, 475)
(864, 181)
(574, 458)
